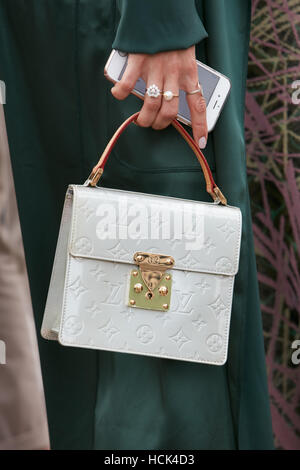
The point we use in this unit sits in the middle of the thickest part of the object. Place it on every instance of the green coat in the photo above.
(60, 114)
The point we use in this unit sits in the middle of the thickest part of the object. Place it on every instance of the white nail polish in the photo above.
(202, 142)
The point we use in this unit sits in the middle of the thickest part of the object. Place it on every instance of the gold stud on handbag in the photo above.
(142, 292)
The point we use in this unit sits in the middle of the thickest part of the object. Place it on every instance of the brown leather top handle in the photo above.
(211, 186)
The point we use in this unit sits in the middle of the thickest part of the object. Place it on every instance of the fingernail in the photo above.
(202, 142)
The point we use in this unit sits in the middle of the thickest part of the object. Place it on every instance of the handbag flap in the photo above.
(113, 225)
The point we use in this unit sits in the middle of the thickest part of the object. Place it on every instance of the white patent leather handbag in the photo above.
(144, 274)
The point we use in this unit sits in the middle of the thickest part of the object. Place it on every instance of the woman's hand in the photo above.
(172, 71)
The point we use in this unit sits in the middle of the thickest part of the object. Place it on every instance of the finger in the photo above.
(169, 109)
(132, 73)
(197, 107)
(151, 105)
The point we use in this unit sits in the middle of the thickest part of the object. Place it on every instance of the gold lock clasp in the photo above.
(150, 285)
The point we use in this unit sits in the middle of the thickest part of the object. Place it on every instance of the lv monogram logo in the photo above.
(113, 297)
(184, 299)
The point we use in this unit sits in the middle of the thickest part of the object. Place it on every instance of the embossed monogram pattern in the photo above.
(196, 322)
(218, 306)
(77, 287)
(74, 325)
(219, 230)
(180, 338)
(214, 342)
(145, 334)
(109, 330)
(227, 229)
(83, 245)
(94, 310)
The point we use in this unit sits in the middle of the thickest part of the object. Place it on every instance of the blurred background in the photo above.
(272, 124)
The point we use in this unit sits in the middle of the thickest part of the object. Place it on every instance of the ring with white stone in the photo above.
(169, 95)
(153, 91)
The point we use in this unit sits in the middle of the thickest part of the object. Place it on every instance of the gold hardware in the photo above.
(94, 177)
(149, 295)
(152, 267)
(163, 290)
(138, 287)
(220, 195)
(151, 277)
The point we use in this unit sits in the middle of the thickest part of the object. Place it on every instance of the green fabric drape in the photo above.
(157, 25)
(60, 114)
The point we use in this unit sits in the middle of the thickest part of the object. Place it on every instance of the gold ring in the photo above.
(198, 90)
(169, 95)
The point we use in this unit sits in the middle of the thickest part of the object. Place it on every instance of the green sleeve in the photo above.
(150, 26)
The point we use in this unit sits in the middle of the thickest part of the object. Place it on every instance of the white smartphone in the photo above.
(215, 87)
